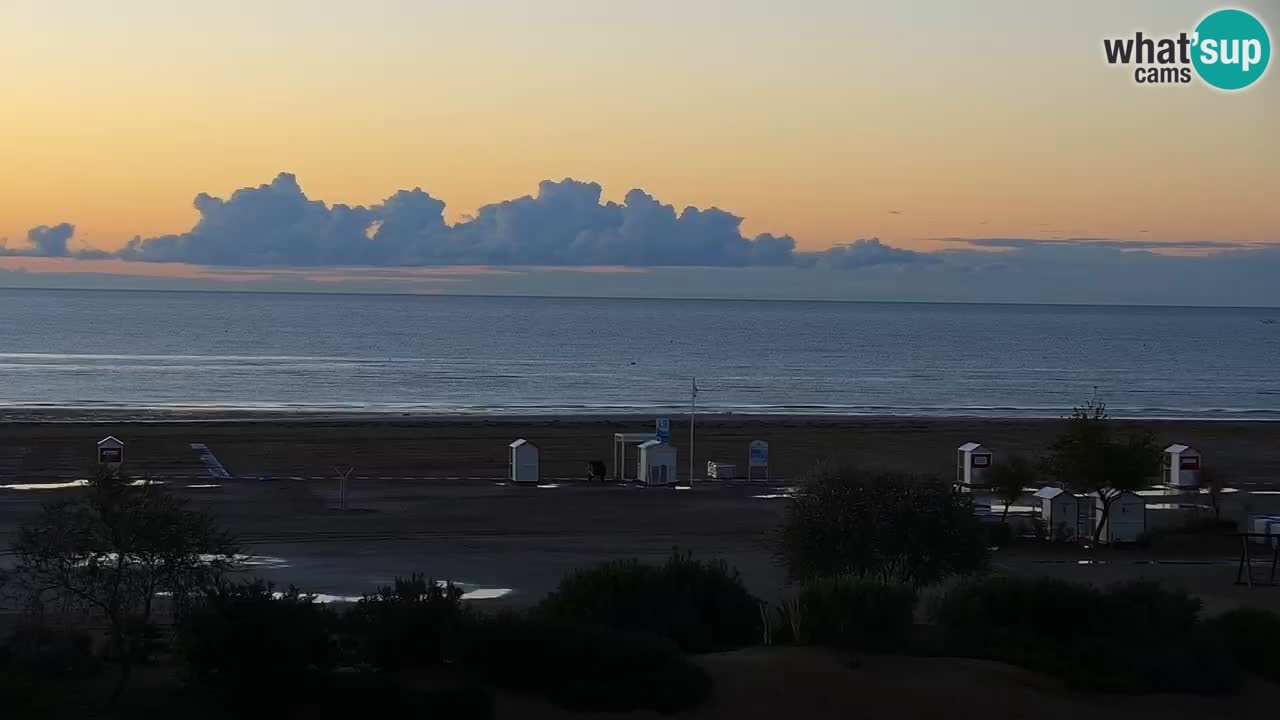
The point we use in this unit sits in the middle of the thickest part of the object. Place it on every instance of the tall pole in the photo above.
(693, 411)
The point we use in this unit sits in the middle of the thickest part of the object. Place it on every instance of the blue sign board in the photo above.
(662, 429)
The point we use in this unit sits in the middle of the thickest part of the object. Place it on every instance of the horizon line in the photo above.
(528, 296)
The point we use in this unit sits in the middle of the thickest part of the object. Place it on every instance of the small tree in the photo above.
(112, 550)
(1088, 458)
(1009, 478)
(890, 527)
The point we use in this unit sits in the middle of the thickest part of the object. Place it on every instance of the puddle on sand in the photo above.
(69, 484)
(45, 486)
(779, 493)
(474, 594)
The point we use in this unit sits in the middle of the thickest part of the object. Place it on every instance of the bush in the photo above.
(890, 527)
(853, 613)
(36, 659)
(370, 694)
(583, 667)
(1252, 636)
(1131, 637)
(409, 624)
(255, 644)
(701, 606)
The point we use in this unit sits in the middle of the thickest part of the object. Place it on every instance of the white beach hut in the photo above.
(972, 463)
(524, 462)
(657, 463)
(1181, 467)
(1125, 522)
(1060, 511)
(110, 452)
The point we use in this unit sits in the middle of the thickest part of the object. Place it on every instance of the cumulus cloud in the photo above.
(45, 241)
(564, 224)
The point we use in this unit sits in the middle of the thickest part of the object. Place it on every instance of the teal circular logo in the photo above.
(1232, 49)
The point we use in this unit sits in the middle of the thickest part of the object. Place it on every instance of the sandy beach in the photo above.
(46, 445)
(412, 510)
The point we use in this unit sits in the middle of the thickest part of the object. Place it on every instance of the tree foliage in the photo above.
(890, 527)
(256, 645)
(1088, 457)
(1009, 478)
(112, 550)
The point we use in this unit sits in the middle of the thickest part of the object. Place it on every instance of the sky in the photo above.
(826, 144)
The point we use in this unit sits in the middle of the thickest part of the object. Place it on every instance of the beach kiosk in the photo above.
(972, 463)
(1181, 467)
(110, 452)
(657, 463)
(1060, 511)
(1125, 522)
(524, 463)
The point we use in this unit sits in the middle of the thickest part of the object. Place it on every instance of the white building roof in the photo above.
(1049, 493)
(110, 440)
(1178, 449)
(969, 447)
(652, 443)
(520, 442)
(632, 437)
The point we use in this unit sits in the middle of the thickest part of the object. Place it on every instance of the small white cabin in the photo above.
(657, 463)
(1125, 522)
(972, 463)
(1060, 511)
(1181, 467)
(524, 462)
(110, 452)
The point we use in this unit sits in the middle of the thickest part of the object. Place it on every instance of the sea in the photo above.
(146, 353)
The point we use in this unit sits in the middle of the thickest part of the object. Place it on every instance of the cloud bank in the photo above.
(564, 224)
(274, 235)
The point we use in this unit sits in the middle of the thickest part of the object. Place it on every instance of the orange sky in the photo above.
(815, 119)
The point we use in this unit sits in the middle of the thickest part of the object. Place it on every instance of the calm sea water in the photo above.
(95, 350)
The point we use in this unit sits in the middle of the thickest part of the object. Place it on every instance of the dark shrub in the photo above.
(1145, 611)
(1252, 636)
(1131, 637)
(409, 624)
(993, 608)
(853, 613)
(349, 695)
(582, 667)
(891, 527)
(255, 644)
(36, 659)
(702, 606)
(997, 534)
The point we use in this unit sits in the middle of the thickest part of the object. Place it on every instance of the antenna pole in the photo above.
(693, 412)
